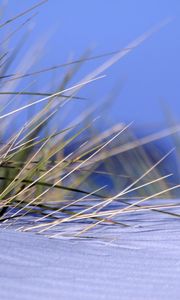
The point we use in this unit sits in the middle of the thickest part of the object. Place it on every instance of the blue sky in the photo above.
(147, 79)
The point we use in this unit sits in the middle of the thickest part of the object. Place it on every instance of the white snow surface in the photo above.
(135, 262)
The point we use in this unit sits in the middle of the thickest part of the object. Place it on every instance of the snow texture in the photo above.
(136, 262)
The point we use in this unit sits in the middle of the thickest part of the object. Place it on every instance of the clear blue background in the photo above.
(148, 78)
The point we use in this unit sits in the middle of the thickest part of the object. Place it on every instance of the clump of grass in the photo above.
(42, 182)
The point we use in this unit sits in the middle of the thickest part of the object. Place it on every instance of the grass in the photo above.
(42, 182)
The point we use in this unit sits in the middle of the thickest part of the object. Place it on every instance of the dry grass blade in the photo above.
(77, 86)
(137, 143)
(81, 215)
(52, 172)
(22, 13)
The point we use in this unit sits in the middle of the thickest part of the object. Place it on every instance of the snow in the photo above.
(136, 262)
